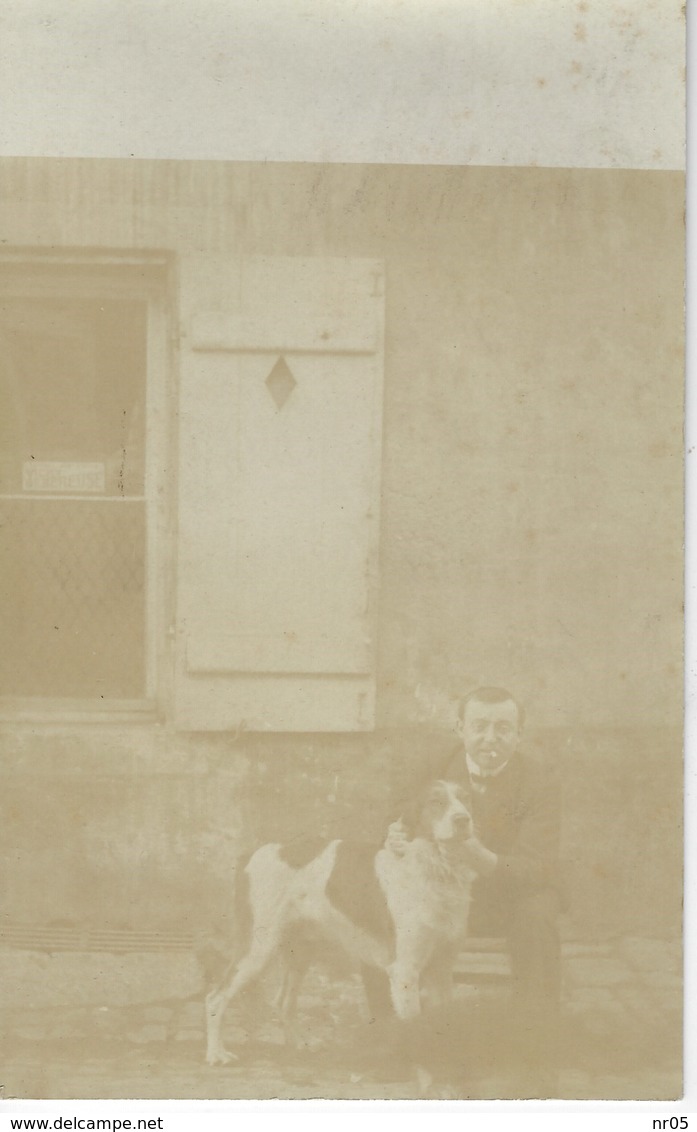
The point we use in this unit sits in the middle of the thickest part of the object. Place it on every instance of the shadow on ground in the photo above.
(156, 1050)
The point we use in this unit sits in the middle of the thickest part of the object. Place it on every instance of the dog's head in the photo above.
(441, 814)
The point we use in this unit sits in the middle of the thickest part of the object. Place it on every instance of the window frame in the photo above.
(142, 277)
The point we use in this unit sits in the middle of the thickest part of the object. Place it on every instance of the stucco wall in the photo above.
(532, 489)
(140, 828)
(533, 448)
(531, 528)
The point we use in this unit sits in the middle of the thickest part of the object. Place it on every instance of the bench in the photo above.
(483, 960)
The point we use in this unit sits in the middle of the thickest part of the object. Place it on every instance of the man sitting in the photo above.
(515, 804)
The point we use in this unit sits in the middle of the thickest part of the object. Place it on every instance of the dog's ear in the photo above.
(464, 793)
(411, 815)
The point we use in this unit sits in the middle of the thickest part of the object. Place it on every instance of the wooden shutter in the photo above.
(280, 425)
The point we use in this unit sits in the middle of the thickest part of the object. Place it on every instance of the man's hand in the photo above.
(396, 841)
(481, 859)
(478, 857)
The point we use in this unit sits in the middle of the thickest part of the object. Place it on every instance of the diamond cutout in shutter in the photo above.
(280, 383)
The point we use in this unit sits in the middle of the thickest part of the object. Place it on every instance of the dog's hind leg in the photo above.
(293, 976)
(241, 975)
(216, 1053)
(259, 936)
(297, 954)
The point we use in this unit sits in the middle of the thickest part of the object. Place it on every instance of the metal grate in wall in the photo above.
(54, 937)
(481, 960)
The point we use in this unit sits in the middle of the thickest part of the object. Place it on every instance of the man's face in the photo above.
(490, 732)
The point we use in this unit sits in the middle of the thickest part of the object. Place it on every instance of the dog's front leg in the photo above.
(413, 953)
(437, 979)
(406, 996)
(404, 988)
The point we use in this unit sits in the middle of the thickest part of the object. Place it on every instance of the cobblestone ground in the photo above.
(109, 1031)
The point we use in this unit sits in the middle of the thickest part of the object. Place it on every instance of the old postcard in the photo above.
(341, 559)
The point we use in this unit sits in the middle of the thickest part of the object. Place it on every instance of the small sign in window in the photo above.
(49, 476)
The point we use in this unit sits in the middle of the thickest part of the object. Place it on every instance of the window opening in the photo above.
(73, 515)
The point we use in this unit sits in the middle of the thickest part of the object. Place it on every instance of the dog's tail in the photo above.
(219, 952)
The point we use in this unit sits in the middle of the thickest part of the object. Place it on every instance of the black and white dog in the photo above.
(402, 915)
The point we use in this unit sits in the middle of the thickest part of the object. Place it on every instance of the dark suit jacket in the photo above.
(518, 818)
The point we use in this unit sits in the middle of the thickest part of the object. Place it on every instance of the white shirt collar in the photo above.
(479, 773)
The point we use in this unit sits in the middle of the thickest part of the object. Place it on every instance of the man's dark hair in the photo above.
(490, 695)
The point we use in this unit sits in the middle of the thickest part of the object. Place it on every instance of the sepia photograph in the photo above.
(341, 584)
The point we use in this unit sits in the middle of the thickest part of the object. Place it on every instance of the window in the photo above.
(268, 571)
(80, 452)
